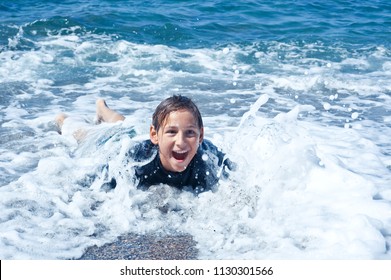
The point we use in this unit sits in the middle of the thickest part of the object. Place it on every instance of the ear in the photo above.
(153, 135)
(201, 135)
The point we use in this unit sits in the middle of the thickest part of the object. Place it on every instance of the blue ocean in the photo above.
(297, 93)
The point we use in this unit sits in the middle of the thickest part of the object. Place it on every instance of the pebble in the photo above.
(145, 247)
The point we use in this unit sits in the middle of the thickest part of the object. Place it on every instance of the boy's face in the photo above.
(178, 140)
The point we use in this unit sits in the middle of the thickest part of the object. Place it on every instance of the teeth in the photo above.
(180, 155)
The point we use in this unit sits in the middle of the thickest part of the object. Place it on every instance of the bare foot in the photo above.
(101, 106)
(105, 114)
(60, 118)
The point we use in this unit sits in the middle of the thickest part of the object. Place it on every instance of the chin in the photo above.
(179, 168)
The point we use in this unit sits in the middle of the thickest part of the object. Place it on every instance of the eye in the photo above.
(191, 133)
(170, 131)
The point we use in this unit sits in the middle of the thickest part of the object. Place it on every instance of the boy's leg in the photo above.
(105, 114)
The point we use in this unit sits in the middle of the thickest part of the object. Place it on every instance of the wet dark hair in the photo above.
(172, 104)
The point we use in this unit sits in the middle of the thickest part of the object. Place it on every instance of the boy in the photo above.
(176, 152)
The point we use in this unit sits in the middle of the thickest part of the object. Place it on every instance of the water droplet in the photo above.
(326, 106)
(355, 115)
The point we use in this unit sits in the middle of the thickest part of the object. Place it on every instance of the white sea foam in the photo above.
(306, 187)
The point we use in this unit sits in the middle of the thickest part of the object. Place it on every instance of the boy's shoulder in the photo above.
(208, 145)
(143, 150)
(209, 151)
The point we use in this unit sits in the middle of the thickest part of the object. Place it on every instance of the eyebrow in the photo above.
(175, 126)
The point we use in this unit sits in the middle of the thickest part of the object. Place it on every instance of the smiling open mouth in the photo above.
(179, 155)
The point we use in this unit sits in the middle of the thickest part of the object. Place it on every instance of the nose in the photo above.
(180, 140)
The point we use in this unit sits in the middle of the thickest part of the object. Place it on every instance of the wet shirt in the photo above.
(204, 171)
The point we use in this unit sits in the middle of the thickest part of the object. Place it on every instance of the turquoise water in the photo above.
(199, 24)
(298, 93)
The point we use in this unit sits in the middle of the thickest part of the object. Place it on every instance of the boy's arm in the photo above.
(230, 164)
(223, 161)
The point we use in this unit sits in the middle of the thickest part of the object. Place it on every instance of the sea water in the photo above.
(297, 93)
